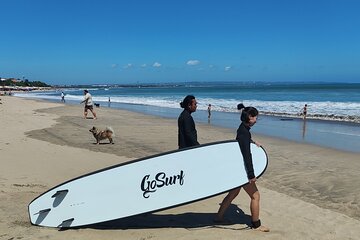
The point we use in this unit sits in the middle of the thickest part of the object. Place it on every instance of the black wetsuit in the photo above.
(187, 135)
(244, 138)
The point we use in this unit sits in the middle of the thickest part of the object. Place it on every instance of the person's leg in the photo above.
(93, 112)
(254, 195)
(85, 113)
(253, 192)
(226, 203)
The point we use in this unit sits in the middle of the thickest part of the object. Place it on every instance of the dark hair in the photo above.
(86, 91)
(187, 101)
(247, 113)
(240, 106)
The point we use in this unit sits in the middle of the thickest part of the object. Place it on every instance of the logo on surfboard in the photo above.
(160, 180)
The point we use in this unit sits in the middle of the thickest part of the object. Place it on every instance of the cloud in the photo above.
(114, 65)
(193, 62)
(228, 68)
(144, 65)
(129, 65)
(156, 64)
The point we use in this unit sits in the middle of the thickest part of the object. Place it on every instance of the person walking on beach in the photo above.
(248, 119)
(88, 104)
(187, 135)
(62, 97)
(304, 112)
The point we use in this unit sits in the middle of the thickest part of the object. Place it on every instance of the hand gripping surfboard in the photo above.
(146, 185)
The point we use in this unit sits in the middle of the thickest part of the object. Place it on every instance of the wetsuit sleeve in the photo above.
(190, 132)
(244, 143)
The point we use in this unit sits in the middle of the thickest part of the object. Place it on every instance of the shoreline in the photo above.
(320, 132)
(319, 117)
(304, 185)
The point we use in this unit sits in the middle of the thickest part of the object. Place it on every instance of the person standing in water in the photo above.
(209, 111)
(304, 112)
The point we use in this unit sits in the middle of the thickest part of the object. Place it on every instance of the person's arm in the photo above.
(86, 99)
(256, 143)
(190, 132)
(244, 143)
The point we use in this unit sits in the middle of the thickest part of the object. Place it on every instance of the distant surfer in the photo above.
(248, 119)
(187, 135)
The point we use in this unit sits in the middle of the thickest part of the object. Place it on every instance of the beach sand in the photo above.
(307, 192)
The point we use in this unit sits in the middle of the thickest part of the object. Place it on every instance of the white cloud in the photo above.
(114, 65)
(144, 65)
(193, 62)
(228, 68)
(156, 64)
(129, 65)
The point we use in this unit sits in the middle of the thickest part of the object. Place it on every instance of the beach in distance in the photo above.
(307, 191)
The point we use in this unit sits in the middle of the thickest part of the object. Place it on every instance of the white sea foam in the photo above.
(342, 111)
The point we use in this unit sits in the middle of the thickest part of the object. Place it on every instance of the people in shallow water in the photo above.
(304, 111)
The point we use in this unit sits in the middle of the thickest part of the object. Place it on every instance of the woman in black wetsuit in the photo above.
(248, 119)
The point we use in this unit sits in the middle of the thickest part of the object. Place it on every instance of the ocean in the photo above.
(333, 118)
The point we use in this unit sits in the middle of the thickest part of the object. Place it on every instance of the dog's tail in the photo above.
(109, 129)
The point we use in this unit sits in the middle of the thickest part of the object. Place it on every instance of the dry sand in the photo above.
(307, 192)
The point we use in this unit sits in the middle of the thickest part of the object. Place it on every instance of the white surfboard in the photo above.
(146, 185)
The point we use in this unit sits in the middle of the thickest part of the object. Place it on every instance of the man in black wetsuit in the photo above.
(243, 136)
(187, 135)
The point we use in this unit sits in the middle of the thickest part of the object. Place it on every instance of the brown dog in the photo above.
(99, 135)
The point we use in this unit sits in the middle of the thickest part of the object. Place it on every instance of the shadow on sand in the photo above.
(183, 220)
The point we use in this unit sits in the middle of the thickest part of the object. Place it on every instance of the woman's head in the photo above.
(249, 115)
(189, 103)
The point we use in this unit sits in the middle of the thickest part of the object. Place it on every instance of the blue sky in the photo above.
(96, 42)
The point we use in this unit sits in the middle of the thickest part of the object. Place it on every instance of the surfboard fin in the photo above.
(66, 223)
(65, 191)
(43, 211)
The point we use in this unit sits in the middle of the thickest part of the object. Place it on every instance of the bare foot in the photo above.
(262, 229)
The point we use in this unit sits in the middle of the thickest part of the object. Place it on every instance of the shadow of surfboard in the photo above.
(183, 220)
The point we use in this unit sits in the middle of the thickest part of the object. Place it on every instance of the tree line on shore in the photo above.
(23, 83)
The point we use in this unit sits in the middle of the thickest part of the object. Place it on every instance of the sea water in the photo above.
(333, 118)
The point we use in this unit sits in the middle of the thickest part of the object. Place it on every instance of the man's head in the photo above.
(189, 103)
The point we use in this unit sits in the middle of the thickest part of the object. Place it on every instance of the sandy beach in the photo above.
(307, 192)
